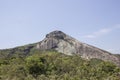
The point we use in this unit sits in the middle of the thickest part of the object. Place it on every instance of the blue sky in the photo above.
(96, 22)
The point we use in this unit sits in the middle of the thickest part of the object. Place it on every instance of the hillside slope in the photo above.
(63, 43)
(51, 65)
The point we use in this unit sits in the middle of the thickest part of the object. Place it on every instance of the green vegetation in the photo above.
(51, 65)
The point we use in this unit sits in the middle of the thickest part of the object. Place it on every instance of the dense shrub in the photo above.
(51, 65)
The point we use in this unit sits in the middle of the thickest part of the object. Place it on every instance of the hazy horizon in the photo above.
(95, 22)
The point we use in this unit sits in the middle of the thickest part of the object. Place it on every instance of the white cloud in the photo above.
(117, 26)
(102, 32)
(98, 33)
(114, 51)
(89, 36)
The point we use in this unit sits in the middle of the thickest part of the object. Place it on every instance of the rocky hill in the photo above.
(63, 43)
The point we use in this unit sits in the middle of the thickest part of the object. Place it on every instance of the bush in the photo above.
(51, 65)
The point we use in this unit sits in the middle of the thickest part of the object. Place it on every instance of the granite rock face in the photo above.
(63, 43)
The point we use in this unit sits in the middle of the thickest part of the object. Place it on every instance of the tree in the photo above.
(35, 65)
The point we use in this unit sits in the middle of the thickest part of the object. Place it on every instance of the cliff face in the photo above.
(63, 43)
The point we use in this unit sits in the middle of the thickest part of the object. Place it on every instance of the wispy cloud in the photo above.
(117, 26)
(114, 51)
(102, 32)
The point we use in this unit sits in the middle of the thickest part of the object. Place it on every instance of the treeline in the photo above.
(51, 65)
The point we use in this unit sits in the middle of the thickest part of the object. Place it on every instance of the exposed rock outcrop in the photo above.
(63, 43)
